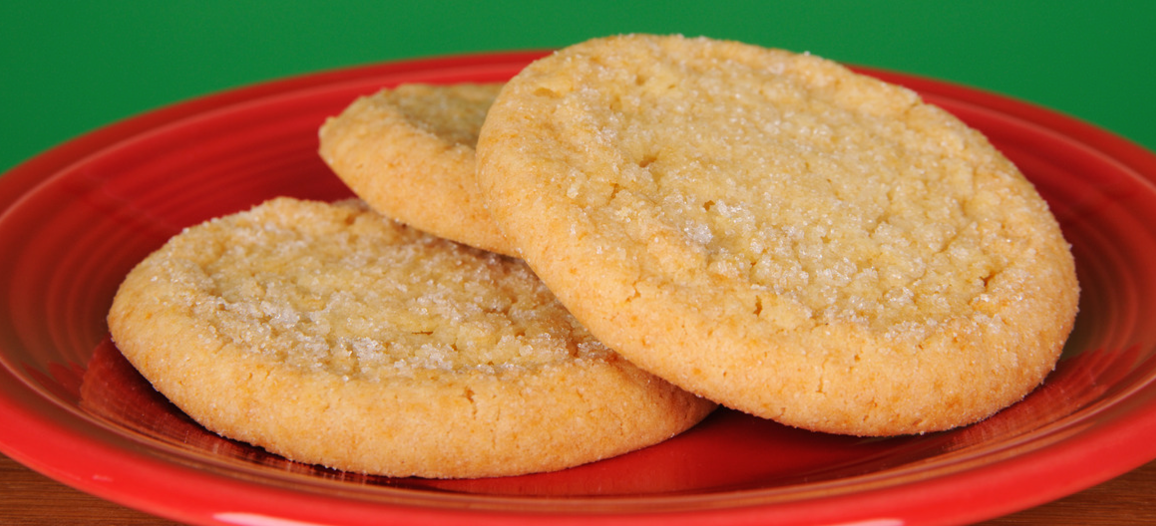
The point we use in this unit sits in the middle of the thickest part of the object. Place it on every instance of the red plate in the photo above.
(75, 219)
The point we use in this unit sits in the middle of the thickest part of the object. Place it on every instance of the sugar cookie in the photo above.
(780, 234)
(409, 152)
(331, 335)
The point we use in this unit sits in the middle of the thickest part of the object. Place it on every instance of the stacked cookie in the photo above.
(711, 222)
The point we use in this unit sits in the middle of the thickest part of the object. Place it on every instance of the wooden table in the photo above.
(29, 498)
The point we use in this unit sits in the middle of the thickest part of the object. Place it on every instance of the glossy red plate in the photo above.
(74, 220)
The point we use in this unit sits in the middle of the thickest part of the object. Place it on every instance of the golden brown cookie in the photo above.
(332, 335)
(780, 234)
(409, 152)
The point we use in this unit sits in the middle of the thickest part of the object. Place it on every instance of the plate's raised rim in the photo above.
(97, 460)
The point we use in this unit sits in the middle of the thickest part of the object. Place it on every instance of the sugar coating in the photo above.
(780, 234)
(453, 113)
(332, 335)
(409, 152)
(363, 297)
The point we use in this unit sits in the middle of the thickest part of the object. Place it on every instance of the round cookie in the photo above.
(780, 234)
(331, 335)
(409, 152)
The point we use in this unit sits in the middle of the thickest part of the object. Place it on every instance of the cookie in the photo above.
(780, 234)
(331, 335)
(409, 152)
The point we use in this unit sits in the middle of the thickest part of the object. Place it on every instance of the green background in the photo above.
(69, 67)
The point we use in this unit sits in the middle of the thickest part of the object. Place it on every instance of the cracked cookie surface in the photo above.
(780, 234)
(408, 151)
(331, 335)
